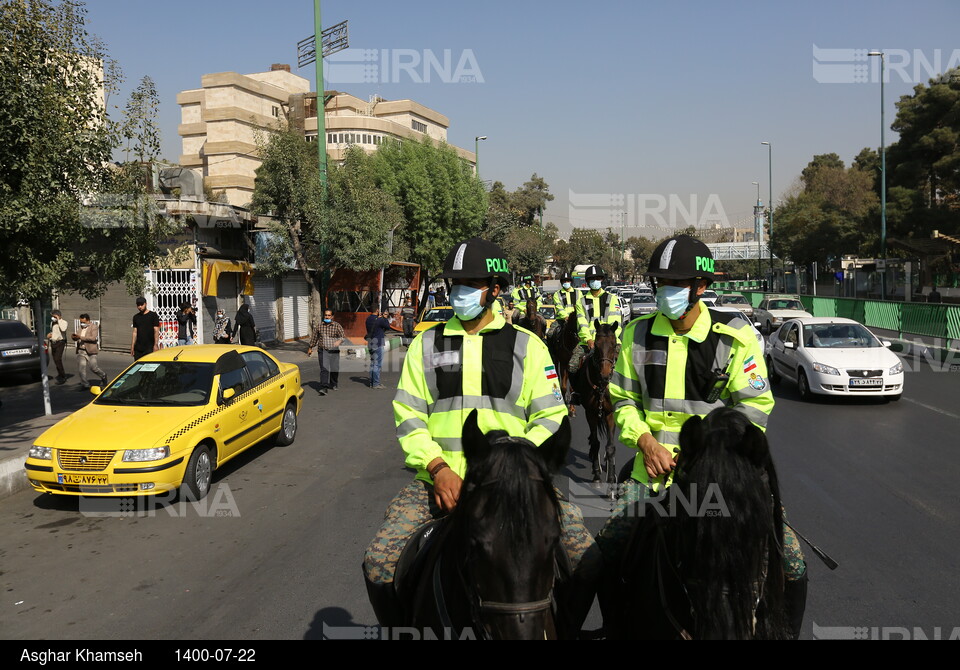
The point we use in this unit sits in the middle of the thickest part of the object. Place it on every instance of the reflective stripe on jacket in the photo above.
(661, 379)
(565, 301)
(604, 306)
(505, 372)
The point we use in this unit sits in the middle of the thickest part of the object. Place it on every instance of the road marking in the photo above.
(931, 407)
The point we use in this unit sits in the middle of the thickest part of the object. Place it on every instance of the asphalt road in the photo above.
(274, 552)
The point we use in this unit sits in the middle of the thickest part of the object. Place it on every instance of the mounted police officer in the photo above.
(526, 291)
(682, 361)
(596, 305)
(474, 360)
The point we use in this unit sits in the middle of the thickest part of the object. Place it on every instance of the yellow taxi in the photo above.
(167, 422)
(432, 317)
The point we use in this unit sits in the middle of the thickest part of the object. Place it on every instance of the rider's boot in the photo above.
(386, 603)
(795, 603)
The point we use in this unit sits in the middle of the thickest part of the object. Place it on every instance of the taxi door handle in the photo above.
(257, 401)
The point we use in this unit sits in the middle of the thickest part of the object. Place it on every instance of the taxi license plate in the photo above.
(97, 480)
(16, 352)
(866, 382)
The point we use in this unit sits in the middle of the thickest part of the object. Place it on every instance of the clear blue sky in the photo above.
(663, 100)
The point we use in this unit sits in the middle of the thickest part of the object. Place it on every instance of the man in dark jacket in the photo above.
(377, 325)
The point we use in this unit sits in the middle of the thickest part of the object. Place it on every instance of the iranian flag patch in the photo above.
(550, 371)
(749, 364)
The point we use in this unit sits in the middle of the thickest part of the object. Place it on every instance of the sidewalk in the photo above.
(22, 417)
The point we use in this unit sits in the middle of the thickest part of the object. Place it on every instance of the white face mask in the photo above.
(595, 284)
(566, 286)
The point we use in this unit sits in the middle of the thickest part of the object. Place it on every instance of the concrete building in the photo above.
(220, 122)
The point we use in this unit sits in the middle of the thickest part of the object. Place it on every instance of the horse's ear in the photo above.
(755, 447)
(554, 449)
(596, 325)
(691, 437)
(475, 443)
(614, 326)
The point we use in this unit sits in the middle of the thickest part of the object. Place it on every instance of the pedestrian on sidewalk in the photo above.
(244, 326)
(329, 335)
(377, 326)
(934, 295)
(222, 332)
(58, 342)
(409, 316)
(146, 331)
(87, 350)
(186, 325)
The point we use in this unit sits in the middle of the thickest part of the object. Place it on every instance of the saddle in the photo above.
(413, 559)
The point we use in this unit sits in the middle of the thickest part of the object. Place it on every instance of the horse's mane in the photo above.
(726, 453)
(512, 470)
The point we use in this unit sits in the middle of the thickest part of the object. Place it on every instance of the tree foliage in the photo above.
(440, 198)
(69, 218)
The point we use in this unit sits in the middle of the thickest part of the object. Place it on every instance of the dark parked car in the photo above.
(19, 350)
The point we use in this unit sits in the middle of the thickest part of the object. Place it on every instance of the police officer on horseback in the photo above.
(596, 305)
(476, 360)
(526, 291)
(685, 360)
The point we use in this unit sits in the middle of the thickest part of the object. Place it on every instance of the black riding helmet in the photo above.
(594, 272)
(565, 277)
(477, 259)
(682, 257)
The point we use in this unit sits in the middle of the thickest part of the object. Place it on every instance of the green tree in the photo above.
(69, 218)
(441, 199)
(288, 189)
(359, 217)
(530, 200)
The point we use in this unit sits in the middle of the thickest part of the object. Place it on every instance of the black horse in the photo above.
(592, 383)
(705, 558)
(488, 571)
(562, 345)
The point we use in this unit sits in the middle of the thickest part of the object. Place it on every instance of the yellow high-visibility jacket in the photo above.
(662, 379)
(504, 371)
(603, 306)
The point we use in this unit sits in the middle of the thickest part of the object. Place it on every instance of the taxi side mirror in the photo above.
(228, 393)
(96, 390)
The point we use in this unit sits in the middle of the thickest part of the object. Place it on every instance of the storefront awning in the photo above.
(212, 269)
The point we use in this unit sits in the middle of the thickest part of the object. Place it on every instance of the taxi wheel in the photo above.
(288, 429)
(199, 473)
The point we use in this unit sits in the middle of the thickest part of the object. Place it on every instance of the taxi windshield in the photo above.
(438, 315)
(161, 383)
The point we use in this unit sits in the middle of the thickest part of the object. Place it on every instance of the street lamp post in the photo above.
(770, 204)
(758, 229)
(883, 182)
(476, 151)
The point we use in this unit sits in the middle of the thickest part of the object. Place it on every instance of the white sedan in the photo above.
(833, 356)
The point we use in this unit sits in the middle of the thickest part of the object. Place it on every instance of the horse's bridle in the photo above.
(478, 606)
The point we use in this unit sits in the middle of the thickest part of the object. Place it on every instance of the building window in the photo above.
(331, 138)
(276, 111)
(419, 127)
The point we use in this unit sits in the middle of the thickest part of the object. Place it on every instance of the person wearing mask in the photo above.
(565, 303)
(329, 335)
(57, 337)
(681, 361)
(222, 330)
(87, 350)
(449, 367)
(595, 305)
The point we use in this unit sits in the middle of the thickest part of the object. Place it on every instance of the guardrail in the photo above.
(906, 318)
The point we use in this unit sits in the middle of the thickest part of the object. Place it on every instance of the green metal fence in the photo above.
(906, 318)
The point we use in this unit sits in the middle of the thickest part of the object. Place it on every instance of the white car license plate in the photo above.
(16, 352)
(866, 382)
